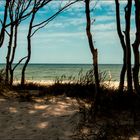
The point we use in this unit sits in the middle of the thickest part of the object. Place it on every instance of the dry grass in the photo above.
(118, 115)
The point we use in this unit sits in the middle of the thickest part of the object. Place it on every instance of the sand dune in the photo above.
(52, 119)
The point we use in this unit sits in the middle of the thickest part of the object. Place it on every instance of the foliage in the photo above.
(2, 75)
(3, 86)
(2, 78)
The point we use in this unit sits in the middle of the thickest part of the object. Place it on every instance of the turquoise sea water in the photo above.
(51, 71)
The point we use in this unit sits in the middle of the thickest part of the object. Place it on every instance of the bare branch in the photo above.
(19, 62)
(45, 22)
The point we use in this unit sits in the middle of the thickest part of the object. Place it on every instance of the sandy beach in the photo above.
(44, 119)
(109, 84)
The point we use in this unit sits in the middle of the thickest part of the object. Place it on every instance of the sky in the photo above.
(64, 39)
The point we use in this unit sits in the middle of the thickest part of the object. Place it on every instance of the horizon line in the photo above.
(68, 63)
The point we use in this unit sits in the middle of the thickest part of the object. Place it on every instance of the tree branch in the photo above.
(45, 22)
(19, 62)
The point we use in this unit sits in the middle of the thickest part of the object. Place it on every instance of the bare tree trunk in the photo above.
(13, 55)
(122, 75)
(27, 61)
(8, 54)
(121, 37)
(29, 49)
(2, 33)
(11, 76)
(94, 53)
(136, 47)
(136, 69)
(128, 45)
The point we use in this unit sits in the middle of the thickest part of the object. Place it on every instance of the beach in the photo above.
(108, 84)
(44, 117)
(48, 119)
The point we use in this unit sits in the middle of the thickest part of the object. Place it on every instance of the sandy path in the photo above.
(52, 119)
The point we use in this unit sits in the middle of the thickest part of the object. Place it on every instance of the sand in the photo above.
(109, 84)
(48, 118)
(44, 119)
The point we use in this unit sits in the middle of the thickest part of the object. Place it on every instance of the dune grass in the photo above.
(118, 114)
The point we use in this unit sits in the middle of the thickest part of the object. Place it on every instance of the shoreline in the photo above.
(109, 84)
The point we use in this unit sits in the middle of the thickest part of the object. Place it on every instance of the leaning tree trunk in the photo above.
(2, 33)
(8, 54)
(128, 45)
(29, 49)
(13, 55)
(122, 74)
(136, 47)
(27, 61)
(136, 68)
(94, 53)
(121, 37)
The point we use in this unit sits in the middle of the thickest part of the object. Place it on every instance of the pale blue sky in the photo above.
(64, 39)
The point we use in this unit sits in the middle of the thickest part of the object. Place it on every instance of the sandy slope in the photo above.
(109, 84)
(51, 119)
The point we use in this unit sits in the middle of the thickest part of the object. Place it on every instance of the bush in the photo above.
(2, 76)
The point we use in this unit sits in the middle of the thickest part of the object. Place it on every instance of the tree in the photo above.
(135, 46)
(16, 9)
(38, 4)
(10, 41)
(21, 7)
(35, 9)
(25, 5)
(2, 33)
(121, 37)
(94, 53)
(126, 45)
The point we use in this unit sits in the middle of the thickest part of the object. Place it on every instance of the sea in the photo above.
(39, 72)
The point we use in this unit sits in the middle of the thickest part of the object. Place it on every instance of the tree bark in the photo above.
(128, 45)
(94, 53)
(11, 77)
(13, 55)
(8, 54)
(2, 33)
(135, 46)
(121, 37)
(28, 48)
(136, 69)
